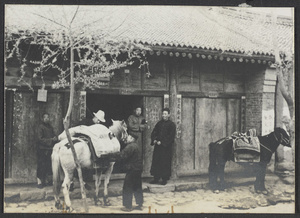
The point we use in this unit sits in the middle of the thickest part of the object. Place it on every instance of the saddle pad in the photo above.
(246, 150)
(247, 143)
(101, 163)
(246, 156)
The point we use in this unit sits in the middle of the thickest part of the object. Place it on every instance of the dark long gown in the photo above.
(164, 131)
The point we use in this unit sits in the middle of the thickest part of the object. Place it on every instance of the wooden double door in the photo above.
(203, 120)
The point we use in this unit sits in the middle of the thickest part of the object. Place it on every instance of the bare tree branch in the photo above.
(53, 21)
(74, 14)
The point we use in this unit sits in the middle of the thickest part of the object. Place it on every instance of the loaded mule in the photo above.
(237, 148)
(104, 141)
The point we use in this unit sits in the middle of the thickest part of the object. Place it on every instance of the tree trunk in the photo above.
(67, 124)
(284, 91)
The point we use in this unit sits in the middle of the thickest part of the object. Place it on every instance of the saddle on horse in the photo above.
(246, 147)
(101, 162)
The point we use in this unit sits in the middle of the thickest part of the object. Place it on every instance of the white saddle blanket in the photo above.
(99, 135)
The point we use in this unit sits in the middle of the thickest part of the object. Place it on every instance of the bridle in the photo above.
(276, 138)
(124, 134)
(282, 139)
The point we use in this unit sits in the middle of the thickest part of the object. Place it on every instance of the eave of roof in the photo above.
(226, 30)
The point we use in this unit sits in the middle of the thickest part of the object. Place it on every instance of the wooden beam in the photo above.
(213, 52)
(207, 94)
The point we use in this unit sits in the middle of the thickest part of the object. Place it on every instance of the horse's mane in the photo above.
(117, 128)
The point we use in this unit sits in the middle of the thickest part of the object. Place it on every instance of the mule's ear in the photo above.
(122, 122)
(112, 120)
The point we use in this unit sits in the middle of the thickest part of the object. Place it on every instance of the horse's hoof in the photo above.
(58, 205)
(216, 191)
(265, 192)
(258, 191)
(96, 201)
(107, 203)
(69, 209)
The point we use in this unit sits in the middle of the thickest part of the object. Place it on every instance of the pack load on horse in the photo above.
(244, 148)
(90, 142)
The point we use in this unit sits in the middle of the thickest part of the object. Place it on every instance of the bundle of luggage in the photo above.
(246, 147)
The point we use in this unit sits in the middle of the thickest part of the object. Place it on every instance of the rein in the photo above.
(276, 137)
(266, 147)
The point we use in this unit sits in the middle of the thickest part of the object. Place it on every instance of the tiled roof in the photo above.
(213, 28)
(209, 28)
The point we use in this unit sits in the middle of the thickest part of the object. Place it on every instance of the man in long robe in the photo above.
(45, 142)
(162, 137)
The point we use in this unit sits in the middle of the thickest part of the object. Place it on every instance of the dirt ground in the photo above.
(235, 199)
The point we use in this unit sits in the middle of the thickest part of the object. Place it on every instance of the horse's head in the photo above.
(282, 136)
(119, 128)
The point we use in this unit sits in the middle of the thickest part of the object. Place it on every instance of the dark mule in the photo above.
(222, 151)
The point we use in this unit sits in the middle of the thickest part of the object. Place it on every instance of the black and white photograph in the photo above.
(149, 109)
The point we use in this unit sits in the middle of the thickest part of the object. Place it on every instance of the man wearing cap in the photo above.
(97, 119)
(131, 159)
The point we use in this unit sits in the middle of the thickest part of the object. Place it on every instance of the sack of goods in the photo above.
(246, 148)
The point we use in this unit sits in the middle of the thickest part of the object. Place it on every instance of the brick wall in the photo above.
(253, 111)
(254, 93)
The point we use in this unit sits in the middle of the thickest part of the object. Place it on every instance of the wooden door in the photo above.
(215, 119)
(204, 120)
(27, 113)
(186, 149)
(152, 112)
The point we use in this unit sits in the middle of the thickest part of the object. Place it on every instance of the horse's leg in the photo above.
(58, 175)
(97, 185)
(259, 184)
(221, 173)
(212, 169)
(66, 186)
(260, 179)
(106, 182)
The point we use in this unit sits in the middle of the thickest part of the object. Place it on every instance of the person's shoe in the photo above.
(126, 209)
(40, 186)
(49, 183)
(154, 182)
(139, 207)
(164, 182)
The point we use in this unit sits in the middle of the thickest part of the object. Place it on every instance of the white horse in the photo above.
(63, 164)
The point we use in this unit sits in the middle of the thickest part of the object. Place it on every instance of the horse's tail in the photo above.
(57, 172)
(212, 168)
(212, 153)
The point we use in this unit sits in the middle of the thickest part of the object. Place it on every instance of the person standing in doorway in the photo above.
(162, 137)
(137, 124)
(45, 143)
